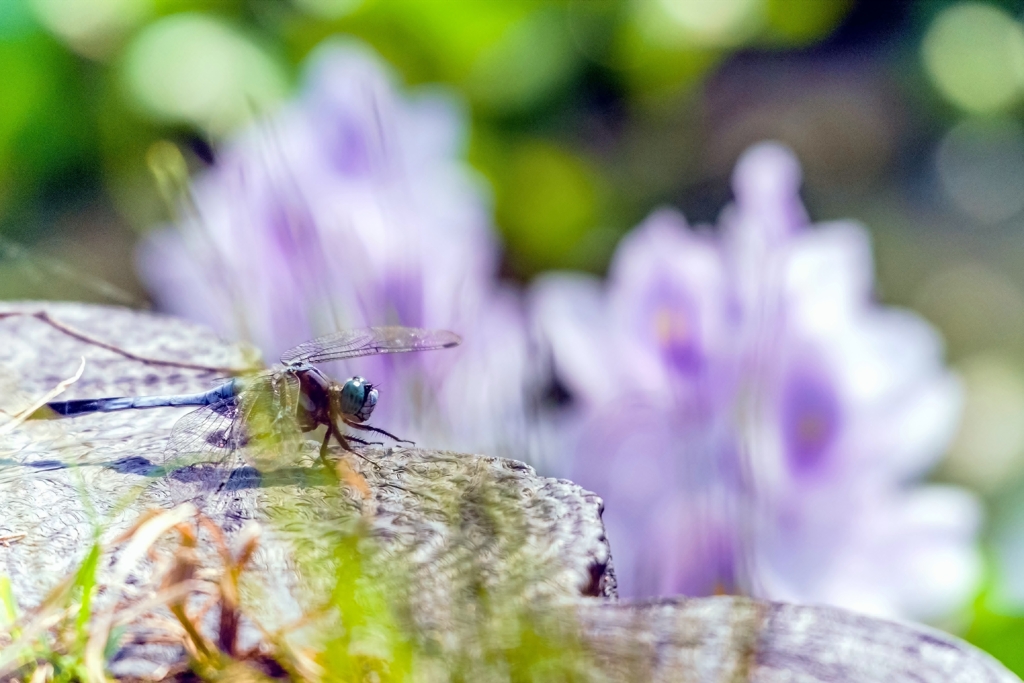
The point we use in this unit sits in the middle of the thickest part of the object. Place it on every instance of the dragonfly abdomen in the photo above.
(106, 405)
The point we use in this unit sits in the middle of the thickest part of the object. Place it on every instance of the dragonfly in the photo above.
(292, 396)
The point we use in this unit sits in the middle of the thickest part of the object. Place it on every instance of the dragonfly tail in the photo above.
(106, 405)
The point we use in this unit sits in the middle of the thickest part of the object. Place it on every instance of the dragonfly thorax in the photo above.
(357, 398)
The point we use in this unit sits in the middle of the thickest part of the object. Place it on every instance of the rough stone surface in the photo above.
(738, 639)
(62, 479)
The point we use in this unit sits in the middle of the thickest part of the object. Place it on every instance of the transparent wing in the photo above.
(215, 430)
(202, 449)
(219, 450)
(268, 409)
(369, 341)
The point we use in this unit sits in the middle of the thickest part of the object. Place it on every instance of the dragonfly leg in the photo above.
(323, 451)
(376, 430)
(349, 437)
(360, 455)
(343, 441)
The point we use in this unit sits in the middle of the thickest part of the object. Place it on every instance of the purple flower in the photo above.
(351, 207)
(754, 422)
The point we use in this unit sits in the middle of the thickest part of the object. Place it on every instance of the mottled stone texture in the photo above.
(457, 521)
(738, 639)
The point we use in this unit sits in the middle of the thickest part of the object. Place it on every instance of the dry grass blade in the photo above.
(43, 673)
(182, 571)
(41, 623)
(234, 565)
(144, 536)
(6, 541)
(27, 413)
(75, 333)
(50, 629)
(47, 615)
(166, 596)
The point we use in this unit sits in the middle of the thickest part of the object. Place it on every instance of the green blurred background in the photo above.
(586, 115)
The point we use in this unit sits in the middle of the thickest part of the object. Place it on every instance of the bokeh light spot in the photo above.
(16, 20)
(719, 23)
(975, 306)
(22, 90)
(546, 203)
(533, 58)
(988, 453)
(974, 54)
(980, 164)
(191, 68)
(91, 27)
(798, 22)
(329, 9)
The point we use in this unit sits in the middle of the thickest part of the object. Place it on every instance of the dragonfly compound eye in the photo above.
(358, 398)
(368, 404)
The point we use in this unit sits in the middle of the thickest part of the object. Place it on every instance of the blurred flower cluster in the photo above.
(352, 207)
(752, 419)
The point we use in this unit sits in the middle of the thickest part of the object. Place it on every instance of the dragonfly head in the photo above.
(357, 398)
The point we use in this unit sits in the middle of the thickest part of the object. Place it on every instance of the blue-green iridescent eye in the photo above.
(358, 398)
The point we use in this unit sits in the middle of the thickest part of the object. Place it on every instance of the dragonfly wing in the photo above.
(202, 446)
(268, 409)
(262, 413)
(220, 451)
(213, 429)
(369, 341)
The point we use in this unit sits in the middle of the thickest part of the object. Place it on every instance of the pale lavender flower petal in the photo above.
(569, 309)
(666, 291)
(766, 183)
(352, 206)
(828, 276)
(753, 419)
(900, 554)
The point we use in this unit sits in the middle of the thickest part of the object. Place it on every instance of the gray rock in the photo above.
(460, 524)
(738, 639)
